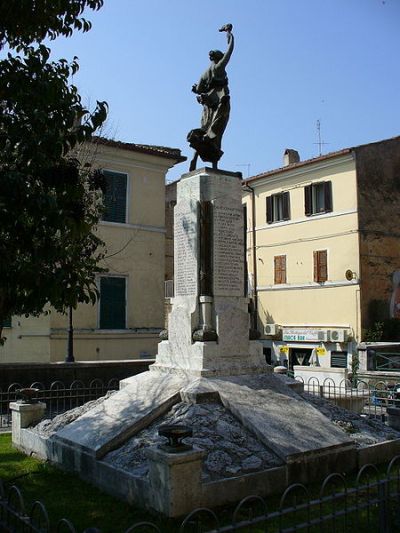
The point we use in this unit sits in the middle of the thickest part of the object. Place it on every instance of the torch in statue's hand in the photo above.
(226, 27)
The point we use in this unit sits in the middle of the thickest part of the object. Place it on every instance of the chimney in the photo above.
(290, 156)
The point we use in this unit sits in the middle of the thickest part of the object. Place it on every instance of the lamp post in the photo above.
(69, 358)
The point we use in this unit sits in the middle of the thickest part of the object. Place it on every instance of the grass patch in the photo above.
(65, 495)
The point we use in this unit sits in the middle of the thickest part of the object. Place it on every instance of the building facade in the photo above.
(323, 250)
(126, 321)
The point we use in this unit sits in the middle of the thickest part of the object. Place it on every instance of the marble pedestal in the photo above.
(208, 332)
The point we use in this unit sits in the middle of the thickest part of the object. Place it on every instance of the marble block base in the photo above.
(204, 359)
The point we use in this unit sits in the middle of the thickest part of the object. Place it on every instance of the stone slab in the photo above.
(282, 420)
(379, 453)
(123, 414)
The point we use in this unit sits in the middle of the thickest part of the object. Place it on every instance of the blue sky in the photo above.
(295, 62)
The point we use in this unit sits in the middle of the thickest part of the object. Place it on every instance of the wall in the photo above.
(27, 340)
(301, 300)
(378, 176)
(27, 374)
(134, 250)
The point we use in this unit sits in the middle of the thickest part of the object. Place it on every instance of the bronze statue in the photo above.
(213, 93)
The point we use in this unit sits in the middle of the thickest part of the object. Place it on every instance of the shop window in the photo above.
(279, 269)
(278, 207)
(300, 356)
(318, 198)
(320, 266)
(339, 359)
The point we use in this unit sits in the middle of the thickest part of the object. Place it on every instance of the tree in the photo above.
(49, 202)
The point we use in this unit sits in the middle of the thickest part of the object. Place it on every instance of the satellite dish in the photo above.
(350, 275)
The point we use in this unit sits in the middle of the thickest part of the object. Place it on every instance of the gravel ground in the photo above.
(362, 430)
(47, 426)
(230, 448)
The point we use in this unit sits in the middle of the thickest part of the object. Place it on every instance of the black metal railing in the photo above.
(368, 398)
(371, 503)
(59, 397)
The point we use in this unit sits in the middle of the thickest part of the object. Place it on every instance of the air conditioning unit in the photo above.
(271, 330)
(337, 335)
(322, 335)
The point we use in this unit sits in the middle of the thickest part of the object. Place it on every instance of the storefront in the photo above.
(309, 346)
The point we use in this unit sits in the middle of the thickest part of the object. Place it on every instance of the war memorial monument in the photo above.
(233, 426)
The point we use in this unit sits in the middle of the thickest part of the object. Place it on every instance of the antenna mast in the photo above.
(320, 141)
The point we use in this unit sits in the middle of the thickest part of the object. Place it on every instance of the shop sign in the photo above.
(296, 334)
(284, 349)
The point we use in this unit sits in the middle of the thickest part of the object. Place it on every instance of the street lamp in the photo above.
(69, 358)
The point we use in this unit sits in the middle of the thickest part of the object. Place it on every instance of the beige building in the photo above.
(128, 316)
(323, 252)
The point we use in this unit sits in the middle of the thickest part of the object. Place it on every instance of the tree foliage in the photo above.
(23, 22)
(49, 203)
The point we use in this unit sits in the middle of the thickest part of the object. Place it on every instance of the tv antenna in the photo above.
(320, 142)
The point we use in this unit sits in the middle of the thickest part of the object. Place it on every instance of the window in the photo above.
(339, 359)
(320, 266)
(115, 196)
(278, 207)
(318, 198)
(280, 269)
(112, 303)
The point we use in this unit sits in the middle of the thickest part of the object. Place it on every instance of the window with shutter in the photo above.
(115, 197)
(278, 208)
(339, 359)
(7, 322)
(112, 302)
(279, 269)
(320, 266)
(318, 198)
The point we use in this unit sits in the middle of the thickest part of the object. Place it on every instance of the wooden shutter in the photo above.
(285, 206)
(7, 322)
(320, 266)
(279, 269)
(339, 359)
(112, 303)
(328, 196)
(115, 197)
(308, 200)
(270, 214)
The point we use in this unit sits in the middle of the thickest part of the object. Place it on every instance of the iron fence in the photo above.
(58, 397)
(366, 398)
(371, 503)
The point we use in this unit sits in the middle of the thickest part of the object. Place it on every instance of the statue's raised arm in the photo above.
(213, 93)
(231, 43)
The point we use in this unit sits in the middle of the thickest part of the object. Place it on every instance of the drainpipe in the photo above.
(253, 233)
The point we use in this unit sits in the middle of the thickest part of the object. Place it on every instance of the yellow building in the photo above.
(323, 250)
(126, 321)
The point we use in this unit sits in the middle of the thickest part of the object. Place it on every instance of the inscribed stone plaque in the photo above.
(185, 248)
(228, 250)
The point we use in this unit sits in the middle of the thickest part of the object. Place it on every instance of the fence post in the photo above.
(23, 415)
(383, 507)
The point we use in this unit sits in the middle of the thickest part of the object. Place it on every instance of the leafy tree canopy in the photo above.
(24, 21)
(49, 202)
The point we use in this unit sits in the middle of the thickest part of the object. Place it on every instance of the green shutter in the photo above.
(115, 197)
(7, 322)
(112, 303)
(270, 214)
